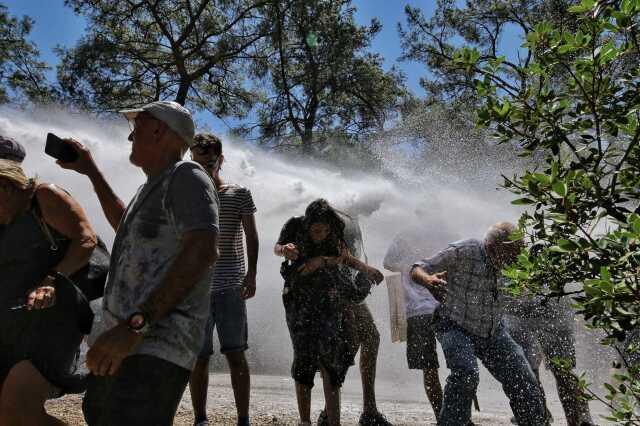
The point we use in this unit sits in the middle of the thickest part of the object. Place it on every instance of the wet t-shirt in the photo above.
(148, 239)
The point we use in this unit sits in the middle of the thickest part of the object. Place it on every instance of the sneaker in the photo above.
(376, 419)
(323, 419)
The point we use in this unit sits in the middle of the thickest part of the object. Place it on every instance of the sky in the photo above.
(56, 24)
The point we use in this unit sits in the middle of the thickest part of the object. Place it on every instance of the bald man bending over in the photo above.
(464, 277)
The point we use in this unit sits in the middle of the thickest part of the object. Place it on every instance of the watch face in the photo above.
(137, 321)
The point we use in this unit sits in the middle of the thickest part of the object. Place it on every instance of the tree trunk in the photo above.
(183, 91)
(307, 141)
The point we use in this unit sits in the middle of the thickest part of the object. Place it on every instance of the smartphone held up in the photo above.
(59, 149)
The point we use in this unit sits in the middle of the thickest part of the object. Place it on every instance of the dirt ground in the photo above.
(273, 403)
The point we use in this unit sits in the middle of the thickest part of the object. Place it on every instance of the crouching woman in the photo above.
(44, 237)
(316, 276)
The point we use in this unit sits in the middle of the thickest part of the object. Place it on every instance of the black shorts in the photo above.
(145, 391)
(421, 343)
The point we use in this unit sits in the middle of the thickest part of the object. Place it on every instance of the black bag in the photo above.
(92, 278)
(356, 290)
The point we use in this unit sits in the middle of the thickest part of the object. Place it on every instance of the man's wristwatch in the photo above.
(138, 323)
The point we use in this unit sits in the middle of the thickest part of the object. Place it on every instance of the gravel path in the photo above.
(273, 403)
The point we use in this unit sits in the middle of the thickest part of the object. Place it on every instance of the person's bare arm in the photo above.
(253, 247)
(289, 251)
(62, 213)
(355, 263)
(112, 205)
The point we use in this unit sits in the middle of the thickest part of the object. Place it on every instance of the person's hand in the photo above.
(43, 296)
(248, 289)
(374, 274)
(437, 285)
(290, 252)
(110, 349)
(312, 265)
(84, 164)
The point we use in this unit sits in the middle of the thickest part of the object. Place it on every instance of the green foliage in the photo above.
(577, 101)
(21, 71)
(477, 27)
(320, 83)
(190, 51)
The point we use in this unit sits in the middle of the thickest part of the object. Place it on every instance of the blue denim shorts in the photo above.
(229, 317)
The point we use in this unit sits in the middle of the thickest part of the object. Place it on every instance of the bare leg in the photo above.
(332, 399)
(240, 381)
(198, 385)
(24, 393)
(433, 389)
(303, 395)
(368, 361)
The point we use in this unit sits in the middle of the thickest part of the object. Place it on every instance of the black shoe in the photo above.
(376, 419)
(323, 419)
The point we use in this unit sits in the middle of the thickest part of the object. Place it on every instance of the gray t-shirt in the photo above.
(181, 199)
(406, 248)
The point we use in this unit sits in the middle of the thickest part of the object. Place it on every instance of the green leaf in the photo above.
(560, 188)
(523, 201)
(584, 6)
(567, 245)
(610, 388)
(607, 52)
(558, 217)
(627, 7)
(566, 48)
(542, 178)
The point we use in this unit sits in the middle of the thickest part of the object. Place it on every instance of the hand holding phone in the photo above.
(59, 149)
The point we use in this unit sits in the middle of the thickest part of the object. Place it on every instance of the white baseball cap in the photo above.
(174, 115)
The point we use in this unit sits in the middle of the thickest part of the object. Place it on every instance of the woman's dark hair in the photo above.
(320, 211)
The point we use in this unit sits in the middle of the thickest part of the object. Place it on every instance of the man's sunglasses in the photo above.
(202, 149)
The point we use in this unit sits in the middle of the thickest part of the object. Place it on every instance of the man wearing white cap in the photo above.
(156, 299)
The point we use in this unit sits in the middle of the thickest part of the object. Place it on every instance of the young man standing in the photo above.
(231, 285)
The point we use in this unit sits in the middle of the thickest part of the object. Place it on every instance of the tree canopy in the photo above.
(190, 51)
(481, 25)
(322, 82)
(22, 73)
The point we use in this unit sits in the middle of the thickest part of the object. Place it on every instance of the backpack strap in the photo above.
(37, 214)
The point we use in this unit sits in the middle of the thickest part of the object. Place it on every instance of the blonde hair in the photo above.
(12, 172)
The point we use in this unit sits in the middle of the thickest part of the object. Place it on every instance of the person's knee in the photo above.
(371, 340)
(20, 401)
(202, 363)
(465, 378)
(236, 360)
(431, 378)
